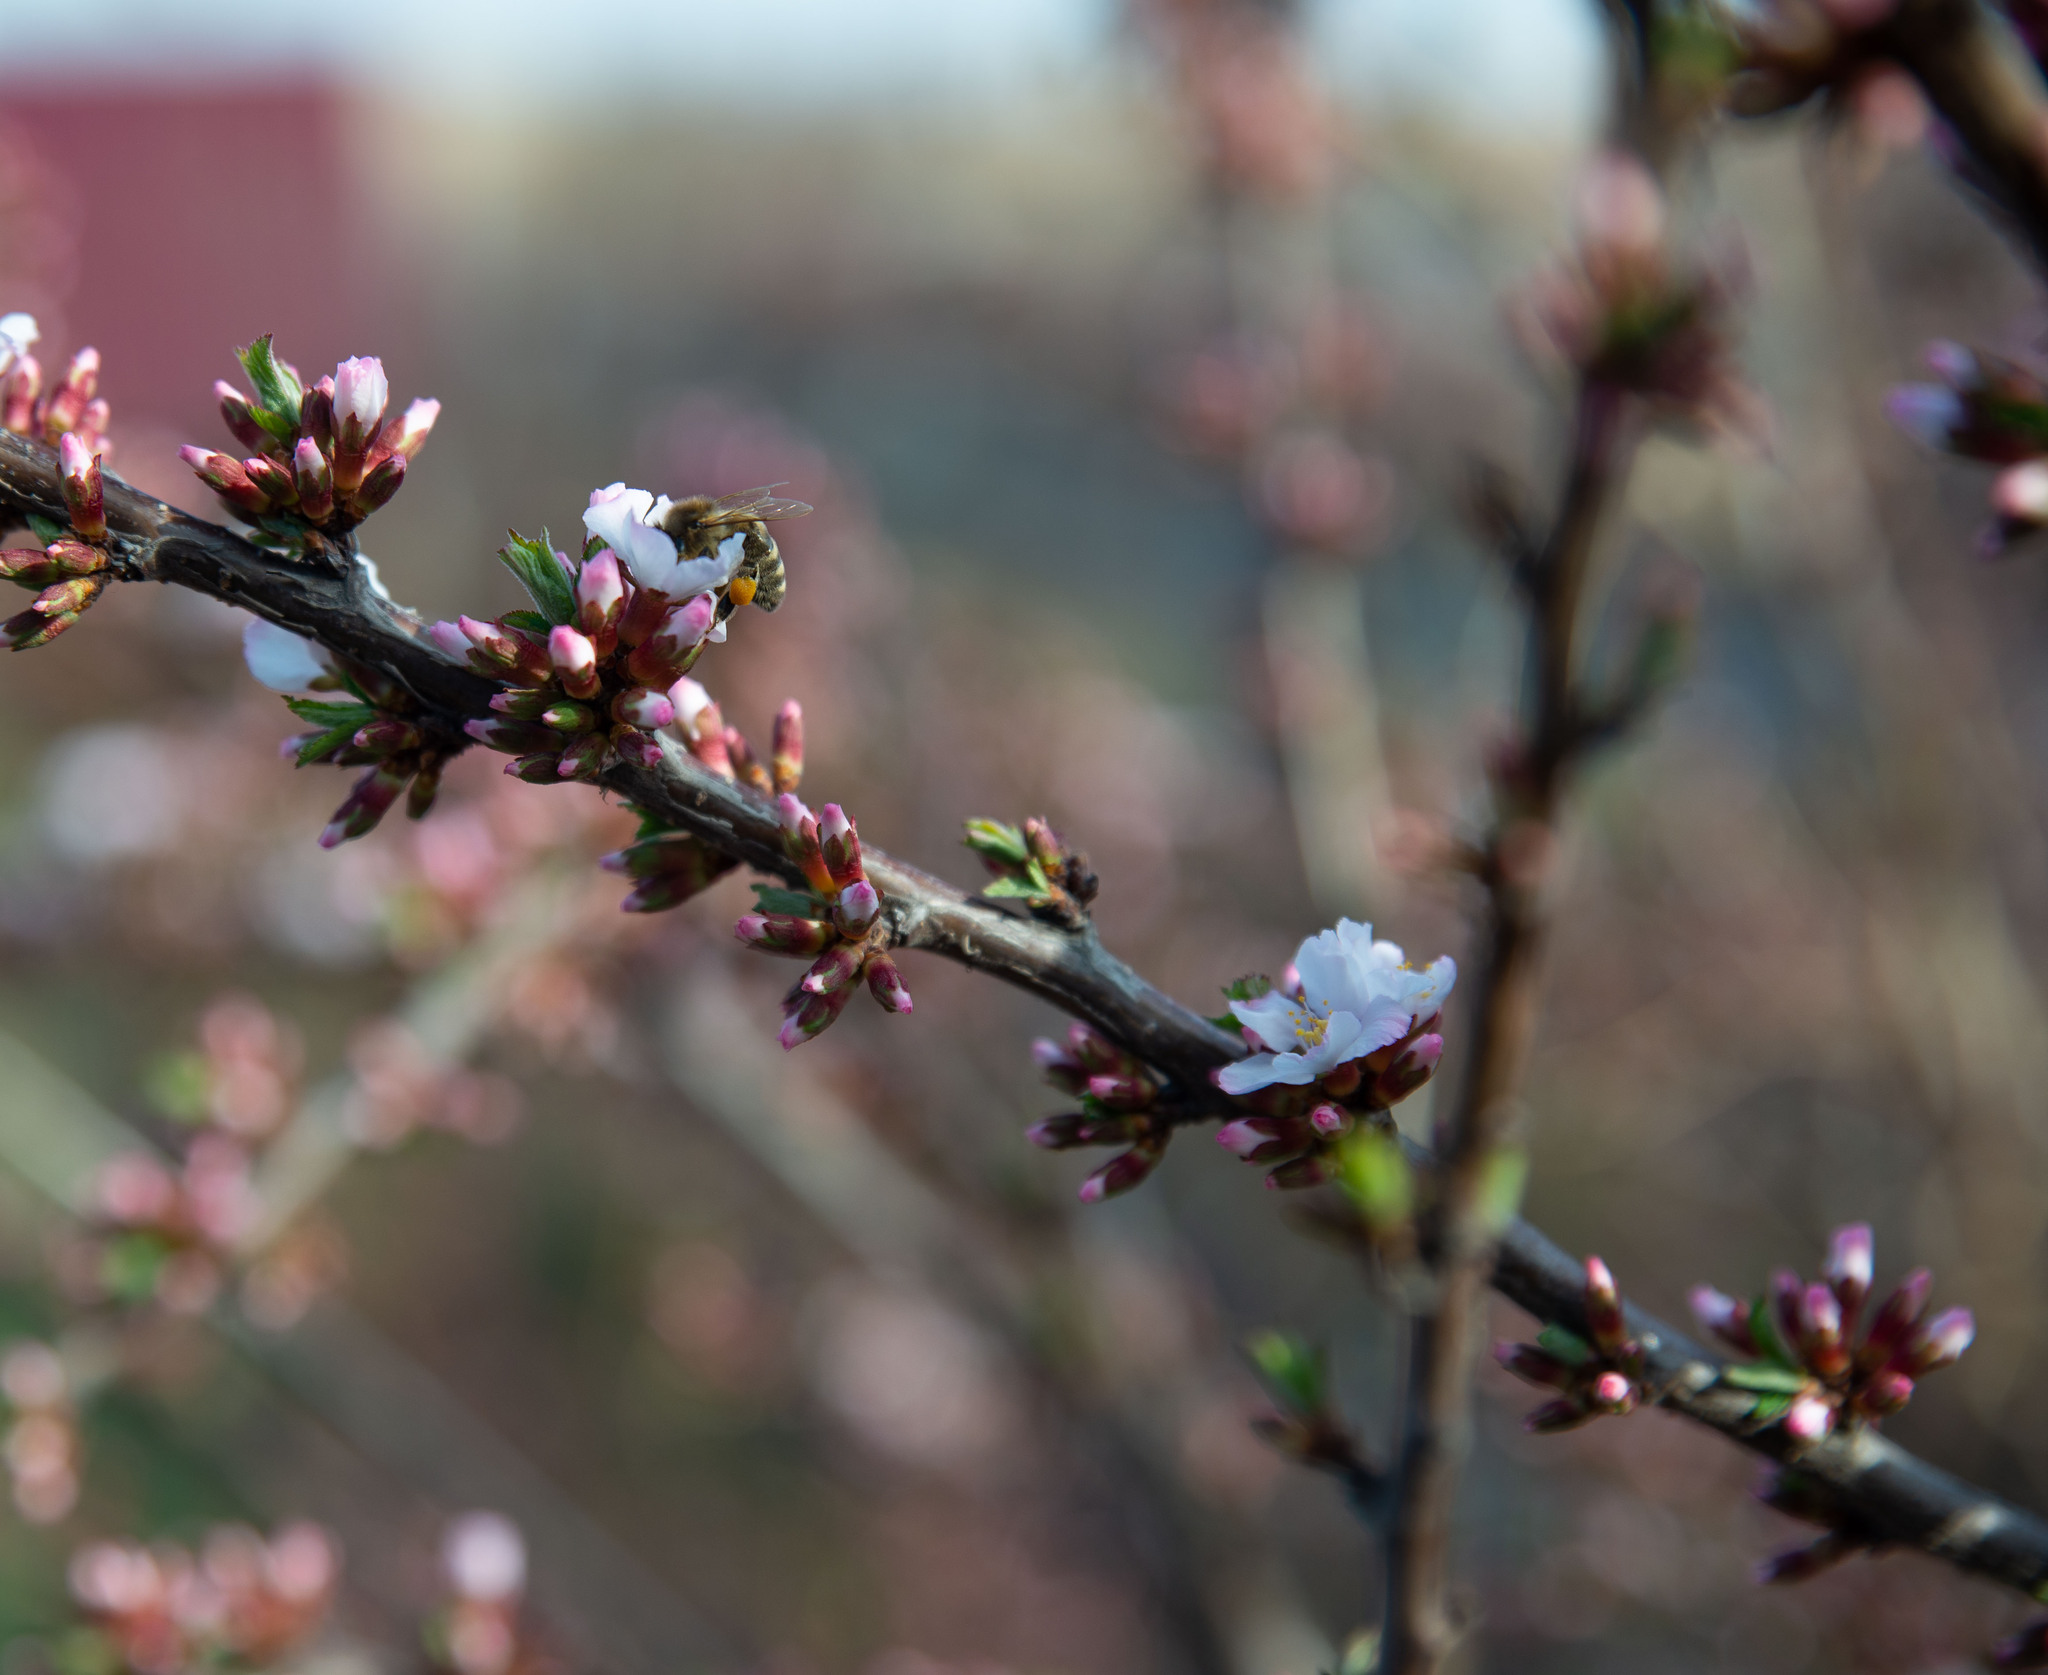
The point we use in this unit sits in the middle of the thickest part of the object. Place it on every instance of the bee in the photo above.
(699, 524)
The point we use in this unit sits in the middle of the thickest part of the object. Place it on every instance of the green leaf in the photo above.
(177, 1085)
(321, 714)
(1248, 988)
(1769, 1408)
(45, 530)
(793, 904)
(534, 564)
(1291, 1367)
(998, 842)
(1761, 1375)
(1226, 1021)
(1021, 888)
(1373, 1172)
(1567, 1346)
(1763, 1326)
(532, 621)
(1501, 1179)
(276, 388)
(318, 748)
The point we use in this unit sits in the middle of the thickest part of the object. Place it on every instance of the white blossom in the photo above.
(1357, 996)
(280, 659)
(626, 520)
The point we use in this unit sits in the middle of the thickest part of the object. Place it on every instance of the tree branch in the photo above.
(1881, 1487)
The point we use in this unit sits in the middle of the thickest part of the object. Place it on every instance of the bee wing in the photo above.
(753, 504)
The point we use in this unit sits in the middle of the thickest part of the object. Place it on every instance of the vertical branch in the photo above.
(1459, 1241)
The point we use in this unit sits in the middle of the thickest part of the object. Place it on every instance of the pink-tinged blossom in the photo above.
(18, 334)
(282, 660)
(1809, 1419)
(574, 660)
(1357, 996)
(626, 520)
(84, 490)
(641, 708)
(1943, 1340)
(361, 393)
(448, 637)
(1850, 1265)
(407, 436)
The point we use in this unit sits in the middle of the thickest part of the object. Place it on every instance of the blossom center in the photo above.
(1309, 1029)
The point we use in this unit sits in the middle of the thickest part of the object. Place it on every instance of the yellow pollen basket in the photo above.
(742, 590)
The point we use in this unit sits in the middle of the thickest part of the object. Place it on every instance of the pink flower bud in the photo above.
(632, 745)
(1604, 1323)
(1851, 1258)
(885, 983)
(600, 598)
(1895, 1320)
(449, 639)
(239, 414)
(666, 641)
(786, 761)
(1072, 1128)
(1884, 1395)
(225, 477)
(1942, 1341)
(366, 804)
(1262, 1139)
(66, 402)
(1725, 1317)
(1612, 1392)
(313, 478)
(574, 660)
(639, 707)
(856, 908)
(1330, 1120)
(361, 393)
(409, 434)
(832, 969)
(1122, 1092)
(384, 480)
(18, 395)
(1536, 1364)
(316, 417)
(2019, 493)
(807, 1015)
(1820, 1332)
(584, 757)
(512, 737)
(1297, 1173)
(776, 933)
(1416, 1064)
(84, 492)
(1809, 1419)
(840, 844)
(1120, 1174)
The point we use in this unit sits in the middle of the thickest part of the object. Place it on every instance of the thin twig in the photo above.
(1914, 1504)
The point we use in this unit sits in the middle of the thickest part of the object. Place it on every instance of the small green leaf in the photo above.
(276, 388)
(177, 1085)
(1292, 1368)
(45, 530)
(1248, 988)
(532, 621)
(1567, 1346)
(1226, 1021)
(1023, 889)
(997, 841)
(1763, 1326)
(794, 904)
(534, 564)
(321, 745)
(331, 715)
(1761, 1375)
(1766, 1409)
(1373, 1172)
(1501, 1179)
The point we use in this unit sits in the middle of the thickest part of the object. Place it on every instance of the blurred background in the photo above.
(1134, 358)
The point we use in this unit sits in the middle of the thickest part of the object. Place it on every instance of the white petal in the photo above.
(1263, 1070)
(1326, 975)
(280, 659)
(1273, 1018)
(19, 332)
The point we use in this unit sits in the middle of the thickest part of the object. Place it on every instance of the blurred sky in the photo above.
(1493, 63)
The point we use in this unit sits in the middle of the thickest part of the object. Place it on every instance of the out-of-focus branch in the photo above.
(1882, 1487)
(1991, 99)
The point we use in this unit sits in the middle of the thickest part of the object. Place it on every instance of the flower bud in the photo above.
(1942, 1341)
(1725, 1317)
(1536, 1364)
(800, 839)
(574, 660)
(836, 967)
(565, 718)
(806, 1015)
(643, 750)
(1330, 1121)
(1121, 1173)
(225, 476)
(316, 416)
(500, 651)
(1074, 1128)
(18, 395)
(70, 557)
(1884, 1395)
(523, 703)
(1820, 1332)
(1061, 1071)
(601, 600)
(408, 435)
(69, 597)
(537, 767)
(885, 983)
(840, 843)
(638, 707)
(670, 641)
(584, 757)
(1848, 1268)
(512, 737)
(384, 480)
(1787, 1292)
(449, 639)
(1564, 1414)
(776, 933)
(1895, 1320)
(786, 761)
(236, 411)
(1263, 1139)
(366, 804)
(426, 785)
(361, 393)
(1604, 1322)
(313, 478)
(389, 736)
(1298, 1173)
(84, 492)
(1410, 1070)
(271, 480)
(1612, 1392)
(856, 908)
(65, 405)
(1809, 1419)
(1124, 1092)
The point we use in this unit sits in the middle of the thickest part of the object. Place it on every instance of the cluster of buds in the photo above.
(240, 1602)
(67, 570)
(41, 1445)
(668, 867)
(593, 667)
(1990, 409)
(836, 924)
(1600, 1373)
(478, 1630)
(373, 725)
(1819, 1360)
(165, 1230)
(70, 407)
(1035, 866)
(324, 458)
(1631, 319)
(1120, 1106)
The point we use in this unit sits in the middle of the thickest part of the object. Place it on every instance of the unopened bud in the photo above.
(1135, 1092)
(1943, 1340)
(1263, 1139)
(385, 480)
(574, 660)
(1074, 1128)
(65, 405)
(885, 983)
(1850, 1263)
(84, 492)
(666, 644)
(837, 966)
(566, 718)
(1809, 1419)
(389, 735)
(745, 766)
(584, 757)
(512, 737)
(1724, 1316)
(601, 600)
(638, 707)
(361, 392)
(239, 415)
(1884, 1395)
(313, 478)
(1604, 1322)
(271, 480)
(449, 639)
(776, 933)
(1895, 1320)
(226, 477)
(1820, 1332)
(840, 843)
(1536, 1364)
(316, 415)
(1612, 1392)
(1120, 1173)
(409, 434)
(786, 761)
(806, 1015)
(366, 804)
(18, 395)
(856, 907)
(426, 785)
(1409, 1071)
